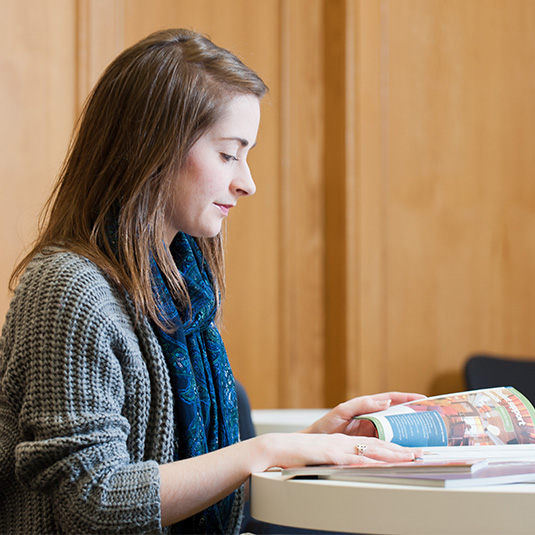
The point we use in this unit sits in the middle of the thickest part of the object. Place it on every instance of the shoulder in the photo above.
(62, 286)
(66, 308)
(58, 272)
(59, 266)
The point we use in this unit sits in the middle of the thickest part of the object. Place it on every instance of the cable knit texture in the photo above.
(86, 411)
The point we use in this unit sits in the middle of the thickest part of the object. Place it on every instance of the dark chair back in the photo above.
(485, 371)
(247, 429)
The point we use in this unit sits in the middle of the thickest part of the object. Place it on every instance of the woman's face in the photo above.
(216, 173)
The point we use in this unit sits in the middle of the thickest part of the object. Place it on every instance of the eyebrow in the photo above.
(243, 142)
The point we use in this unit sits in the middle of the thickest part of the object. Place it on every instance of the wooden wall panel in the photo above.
(453, 194)
(338, 179)
(366, 289)
(461, 75)
(302, 319)
(391, 233)
(37, 109)
(99, 38)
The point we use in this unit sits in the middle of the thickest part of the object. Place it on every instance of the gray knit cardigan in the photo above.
(86, 410)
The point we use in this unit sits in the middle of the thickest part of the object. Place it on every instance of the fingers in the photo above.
(339, 419)
(298, 449)
(377, 450)
(362, 405)
(376, 402)
(364, 428)
(403, 397)
(373, 451)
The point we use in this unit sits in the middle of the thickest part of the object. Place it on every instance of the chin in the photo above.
(206, 233)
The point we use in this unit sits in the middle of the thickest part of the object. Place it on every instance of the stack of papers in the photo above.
(439, 467)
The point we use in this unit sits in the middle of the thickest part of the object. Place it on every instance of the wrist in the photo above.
(265, 452)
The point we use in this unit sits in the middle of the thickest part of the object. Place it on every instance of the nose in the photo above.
(243, 183)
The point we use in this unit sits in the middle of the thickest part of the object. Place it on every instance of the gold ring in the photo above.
(360, 449)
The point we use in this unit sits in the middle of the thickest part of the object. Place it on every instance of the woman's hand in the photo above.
(341, 418)
(299, 449)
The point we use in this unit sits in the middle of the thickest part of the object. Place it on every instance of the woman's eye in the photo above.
(228, 157)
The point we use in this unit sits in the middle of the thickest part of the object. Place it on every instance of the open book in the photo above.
(493, 416)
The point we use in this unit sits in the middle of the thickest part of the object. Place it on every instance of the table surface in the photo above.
(392, 509)
(284, 420)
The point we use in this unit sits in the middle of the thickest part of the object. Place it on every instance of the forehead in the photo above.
(239, 121)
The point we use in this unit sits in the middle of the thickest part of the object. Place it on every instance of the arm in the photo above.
(191, 485)
(68, 358)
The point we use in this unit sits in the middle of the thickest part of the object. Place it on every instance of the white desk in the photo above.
(393, 510)
(284, 420)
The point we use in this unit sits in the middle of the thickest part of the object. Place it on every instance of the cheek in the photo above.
(201, 181)
(206, 182)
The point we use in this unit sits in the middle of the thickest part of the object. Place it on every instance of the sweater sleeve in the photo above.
(73, 349)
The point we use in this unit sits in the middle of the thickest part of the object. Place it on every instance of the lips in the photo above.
(224, 208)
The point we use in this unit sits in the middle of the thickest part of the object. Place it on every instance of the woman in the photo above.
(117, 402)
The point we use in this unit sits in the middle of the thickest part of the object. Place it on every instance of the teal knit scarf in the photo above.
(206, 415)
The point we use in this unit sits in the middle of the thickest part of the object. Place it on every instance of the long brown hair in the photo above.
(147, 110)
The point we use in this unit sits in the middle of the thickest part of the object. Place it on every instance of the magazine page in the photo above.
(499, 473)
(496, 453)
(431, 466)
(494, 416)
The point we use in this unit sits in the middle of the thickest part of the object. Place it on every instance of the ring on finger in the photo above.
(360, 449)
